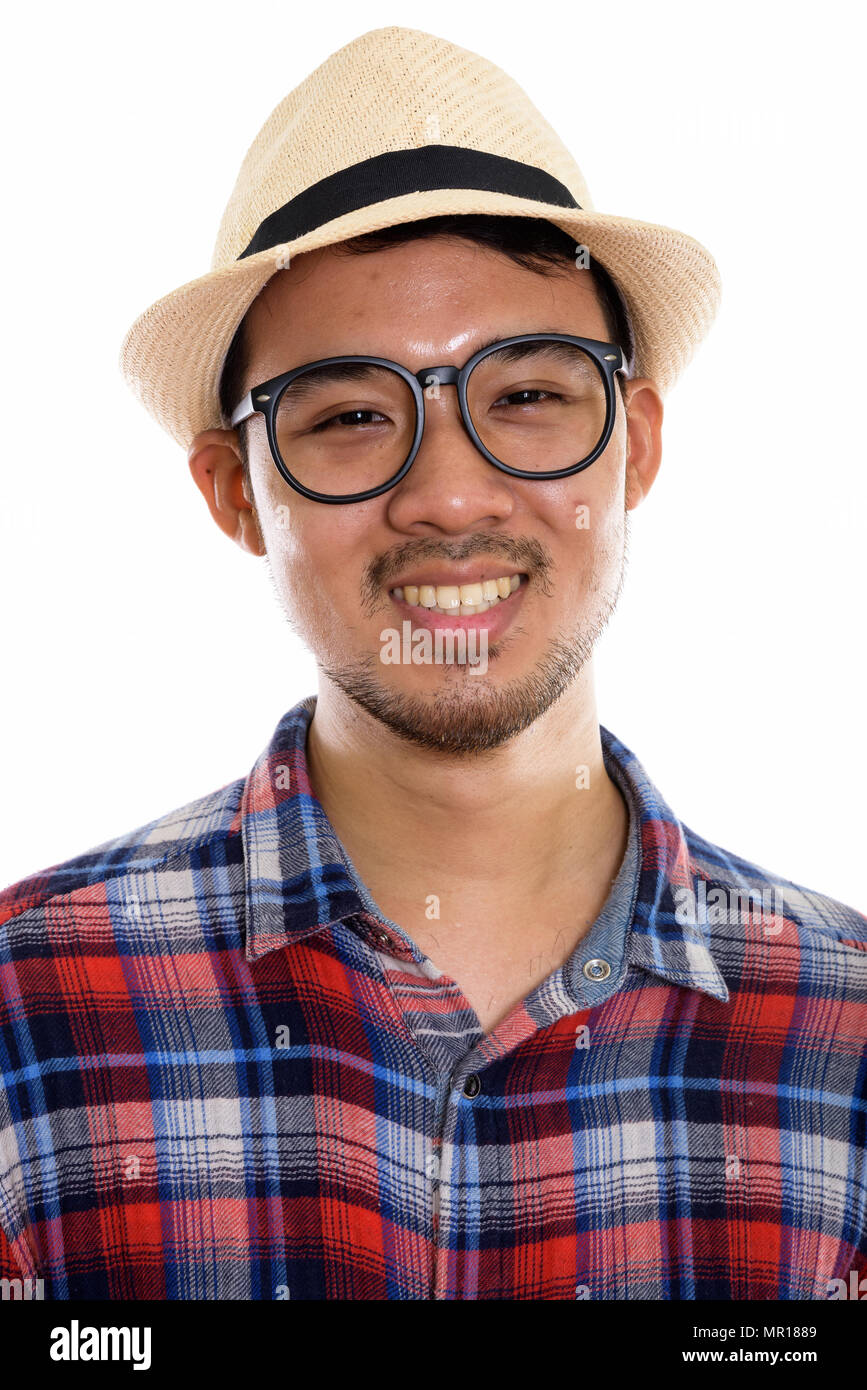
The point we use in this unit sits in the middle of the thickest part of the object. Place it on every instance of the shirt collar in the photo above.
(660, 941)
(297, 881)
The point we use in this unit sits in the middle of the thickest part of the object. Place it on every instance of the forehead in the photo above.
(416, 303)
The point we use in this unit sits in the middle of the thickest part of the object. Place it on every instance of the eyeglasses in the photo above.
(346, 429)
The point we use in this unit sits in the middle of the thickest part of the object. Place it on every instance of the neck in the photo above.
(501, 828)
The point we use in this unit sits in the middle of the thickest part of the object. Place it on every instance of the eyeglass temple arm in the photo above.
(245, 409)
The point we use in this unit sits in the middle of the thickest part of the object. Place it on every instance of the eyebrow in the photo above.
(539, 332)
(564, 352)
(356, 371)
(336, 371)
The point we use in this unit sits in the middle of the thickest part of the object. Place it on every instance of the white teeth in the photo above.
(460, 600)
(448, 596)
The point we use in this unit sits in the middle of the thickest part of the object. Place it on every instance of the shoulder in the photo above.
(723, 888)
(816, 937)
(162, 843)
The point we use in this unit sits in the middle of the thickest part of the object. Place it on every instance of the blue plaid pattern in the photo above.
(223, 1074)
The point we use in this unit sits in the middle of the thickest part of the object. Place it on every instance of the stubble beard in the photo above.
(468, 715)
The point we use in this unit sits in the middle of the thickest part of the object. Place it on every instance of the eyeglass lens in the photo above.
(348, 427)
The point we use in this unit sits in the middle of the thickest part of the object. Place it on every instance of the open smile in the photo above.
(476, 603)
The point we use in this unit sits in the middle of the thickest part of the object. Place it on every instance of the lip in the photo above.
(462, 574)
(495, 620)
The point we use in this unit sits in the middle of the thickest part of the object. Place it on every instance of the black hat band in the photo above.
(397, 172)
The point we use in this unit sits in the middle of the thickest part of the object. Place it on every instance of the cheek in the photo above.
(316, 553)
(597, 497)
(291, 525)
(589, 507)
(586, 517)
(316, 556)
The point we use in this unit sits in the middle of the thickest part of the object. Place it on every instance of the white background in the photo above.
(146, 661)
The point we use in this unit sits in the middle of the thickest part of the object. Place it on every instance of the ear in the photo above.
(644, 412)
(216, 464)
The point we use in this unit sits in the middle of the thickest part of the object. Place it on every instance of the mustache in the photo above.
(526, 554)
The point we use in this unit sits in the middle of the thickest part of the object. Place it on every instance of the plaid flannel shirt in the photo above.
(223, 1076)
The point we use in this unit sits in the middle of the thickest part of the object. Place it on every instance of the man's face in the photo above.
(454, 519)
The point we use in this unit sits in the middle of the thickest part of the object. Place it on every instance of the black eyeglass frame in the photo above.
(265, 398)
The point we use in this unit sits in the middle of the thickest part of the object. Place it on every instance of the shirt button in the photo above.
(383, 938)
(472, 1086)
(597, 970)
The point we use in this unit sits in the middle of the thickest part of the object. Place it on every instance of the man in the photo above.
(441, 1001)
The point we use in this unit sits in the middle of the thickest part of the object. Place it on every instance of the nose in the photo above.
(451, 487)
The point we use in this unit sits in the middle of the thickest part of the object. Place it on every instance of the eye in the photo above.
(528, 395)
(350, 419)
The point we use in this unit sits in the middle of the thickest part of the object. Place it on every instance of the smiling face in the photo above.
(536, 566)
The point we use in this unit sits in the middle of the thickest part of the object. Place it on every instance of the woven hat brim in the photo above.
(173, 354)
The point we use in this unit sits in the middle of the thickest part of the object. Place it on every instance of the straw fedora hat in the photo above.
(396, 126)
